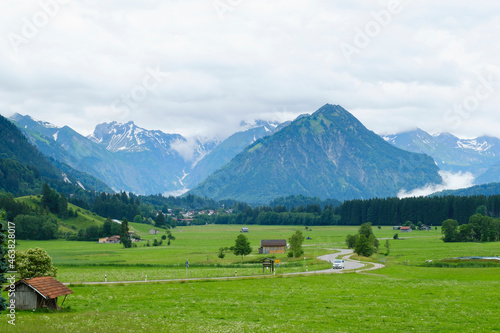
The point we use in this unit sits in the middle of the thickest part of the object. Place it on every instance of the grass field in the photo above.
(84, 220)
(402, 297)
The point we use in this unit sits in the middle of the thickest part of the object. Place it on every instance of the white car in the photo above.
(338, 264)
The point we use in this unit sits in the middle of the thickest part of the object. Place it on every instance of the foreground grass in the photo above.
(402, 297)
(333, 303)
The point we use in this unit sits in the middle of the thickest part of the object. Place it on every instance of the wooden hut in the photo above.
(39, 292)
(272, 246)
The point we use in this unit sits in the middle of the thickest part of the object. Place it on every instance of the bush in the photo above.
(396, 236)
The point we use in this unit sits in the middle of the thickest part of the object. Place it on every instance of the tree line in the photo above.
(427, 210)
(480, 228)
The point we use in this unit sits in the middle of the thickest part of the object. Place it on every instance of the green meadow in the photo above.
(404, 296)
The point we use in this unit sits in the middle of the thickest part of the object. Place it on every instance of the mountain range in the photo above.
(477, 156)
(133, 159)
(329, 154)
(23, 169)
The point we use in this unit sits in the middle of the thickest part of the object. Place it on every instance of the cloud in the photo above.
(261, 57)
(451, 181)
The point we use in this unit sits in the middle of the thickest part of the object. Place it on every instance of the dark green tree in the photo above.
(160, 220)
(449, 230)
(242, 246)
(482, 210)
(350, 241)
(124, 235)
(363, 246)
(366, 229)
(106, 228)
(63, 207)
(50, 199)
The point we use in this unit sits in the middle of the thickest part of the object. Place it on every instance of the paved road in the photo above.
(350, 264)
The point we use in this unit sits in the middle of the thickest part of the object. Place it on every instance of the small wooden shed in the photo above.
(39, 292)
(272, 246)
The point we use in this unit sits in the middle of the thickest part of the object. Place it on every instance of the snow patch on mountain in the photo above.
(474, 145)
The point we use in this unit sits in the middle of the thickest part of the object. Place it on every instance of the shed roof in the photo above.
(405, 228)
(46, 286)
(273, 242)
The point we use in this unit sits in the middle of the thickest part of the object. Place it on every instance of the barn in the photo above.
(39, 292)
(272, 246)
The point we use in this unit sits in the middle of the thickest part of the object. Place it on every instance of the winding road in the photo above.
(350, 266)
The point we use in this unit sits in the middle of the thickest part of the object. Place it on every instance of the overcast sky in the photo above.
(200, 67)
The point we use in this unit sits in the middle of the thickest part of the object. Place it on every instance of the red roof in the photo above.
(405, 228)
(47, 286)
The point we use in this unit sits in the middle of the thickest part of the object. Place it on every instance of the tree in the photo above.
(138, 219)
(387, 246)
(34, 262)
(63, 206)
(124, 235)
(170, 237)
(4, 268)
(363, 246)
(221, 253)
(449, 230)
(296, 243)
(374, 241)
(160, 220)
(350, 241)
(106, 227)
(50, 199)
(482, 210)
(242, 246)
(366, 229)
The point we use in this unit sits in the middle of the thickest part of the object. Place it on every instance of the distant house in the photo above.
(272, 246)
(39, 292)
(109, 240)
(425, 227)
(153, 231)
(116, 221)
(244, 229)
(406, 229)
(396, 227)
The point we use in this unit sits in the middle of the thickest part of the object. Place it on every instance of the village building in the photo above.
(244, 229)
(153, 231)
(396, 227)
(406, 229)
(109, 240)
(39, 292)
(272, 246)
